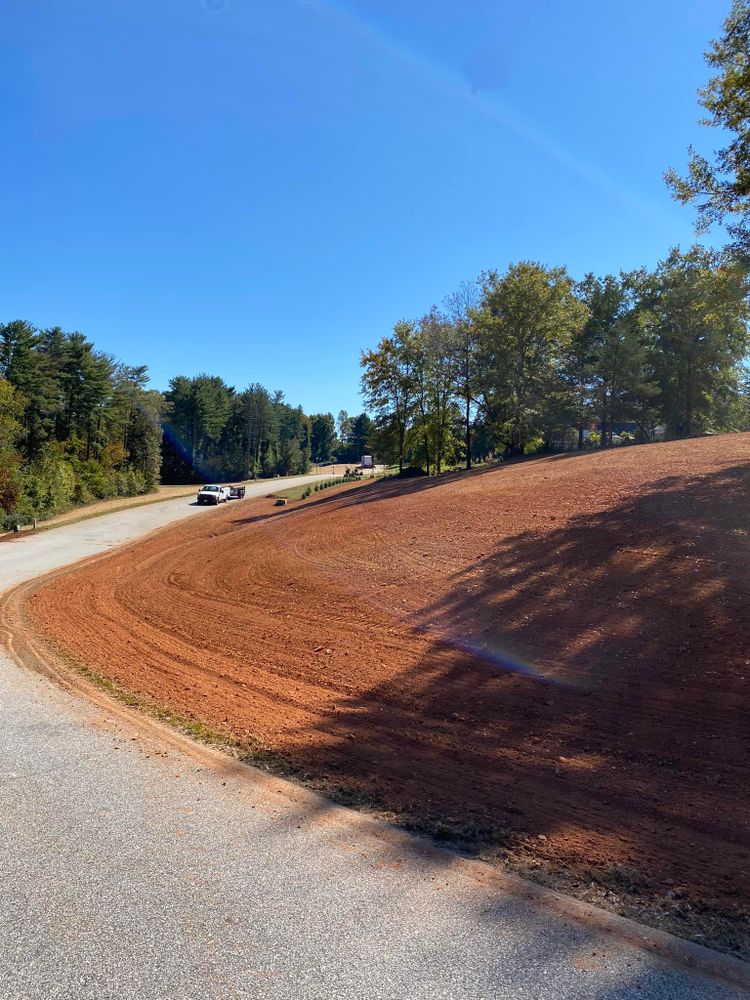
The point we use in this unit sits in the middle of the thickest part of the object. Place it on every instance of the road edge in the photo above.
(31, 652)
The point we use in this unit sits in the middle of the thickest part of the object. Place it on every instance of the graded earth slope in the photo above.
(551, 657)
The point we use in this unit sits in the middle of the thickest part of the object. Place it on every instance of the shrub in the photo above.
(533, 445)
(10, 482)
(80, 493)
(97, 480)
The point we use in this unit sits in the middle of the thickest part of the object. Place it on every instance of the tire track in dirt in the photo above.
(552, 656)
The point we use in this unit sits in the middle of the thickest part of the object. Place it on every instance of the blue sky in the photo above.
(261, 188)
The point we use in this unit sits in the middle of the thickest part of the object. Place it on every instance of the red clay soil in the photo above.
(555, 652)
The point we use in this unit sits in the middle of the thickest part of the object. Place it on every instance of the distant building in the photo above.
(620, 427)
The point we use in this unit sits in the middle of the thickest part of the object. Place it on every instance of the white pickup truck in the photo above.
(213, 494)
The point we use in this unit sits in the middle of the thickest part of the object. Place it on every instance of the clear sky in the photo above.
(261, 188)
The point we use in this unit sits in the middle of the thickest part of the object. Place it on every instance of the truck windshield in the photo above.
(210, 489)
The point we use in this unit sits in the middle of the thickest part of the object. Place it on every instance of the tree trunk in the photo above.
(425, 435)
(439, 444)
(468, 431)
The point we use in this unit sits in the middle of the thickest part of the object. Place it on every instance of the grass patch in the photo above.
(303, 491)
(88, 515)
(193, 728)
(629, 893)
(293, 493)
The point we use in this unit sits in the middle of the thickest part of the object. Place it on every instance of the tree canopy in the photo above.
(529, 359)
(76, 423)
(720, 187)
(212, 431)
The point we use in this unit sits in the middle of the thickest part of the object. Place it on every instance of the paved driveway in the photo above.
(134, 867)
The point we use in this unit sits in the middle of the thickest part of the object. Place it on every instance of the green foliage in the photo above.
(721, 189)
(617, 383)
(529, 317)
(75, 424)
(537, 362)
(357, 437)
(697, 317)
(322, 437)
(533, 445)
(387, 387)
(12, 405)
(458, 385)
(328, 483)
(213, 432)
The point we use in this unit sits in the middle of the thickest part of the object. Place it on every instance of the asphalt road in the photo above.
(28, 556)
(133, 868)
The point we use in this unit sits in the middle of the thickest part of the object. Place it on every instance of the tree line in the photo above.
(529, 360)
(76, 425)
(212, 431)
(514, 362)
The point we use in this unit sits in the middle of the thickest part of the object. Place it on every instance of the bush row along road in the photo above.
(133, 867)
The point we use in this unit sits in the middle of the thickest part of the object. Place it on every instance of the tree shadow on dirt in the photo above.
(394, 487)
(585, 689)
(391, 487)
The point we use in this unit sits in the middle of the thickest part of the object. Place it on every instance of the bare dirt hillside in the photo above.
(553, 656)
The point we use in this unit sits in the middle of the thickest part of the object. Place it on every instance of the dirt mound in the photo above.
(553, 655)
